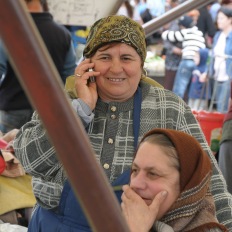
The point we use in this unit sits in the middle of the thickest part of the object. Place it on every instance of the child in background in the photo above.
(199, 91)
(192, 40)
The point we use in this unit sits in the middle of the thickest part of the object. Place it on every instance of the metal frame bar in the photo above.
(156, 23)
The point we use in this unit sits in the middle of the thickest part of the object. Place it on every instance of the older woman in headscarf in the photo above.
(169, 186)
(117, 108)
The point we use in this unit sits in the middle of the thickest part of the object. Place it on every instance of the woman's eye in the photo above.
(104, 57)
(134, 170)
(153, 174)
(126, 58)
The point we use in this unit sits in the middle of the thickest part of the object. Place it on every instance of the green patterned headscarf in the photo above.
(116, 28)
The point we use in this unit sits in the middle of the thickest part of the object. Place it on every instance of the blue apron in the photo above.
(69, 216)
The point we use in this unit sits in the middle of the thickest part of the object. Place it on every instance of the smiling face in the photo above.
(121, 69)
(153, 171)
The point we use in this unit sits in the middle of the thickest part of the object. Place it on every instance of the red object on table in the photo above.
(3, 145)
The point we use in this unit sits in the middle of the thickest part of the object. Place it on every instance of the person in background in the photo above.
(194, 14)
(221, 62)
(213, 8)
(199, 90)
(145, 15)
(15, 108)
(169, 186)
(206, 25)
(130, 11)
(192, 40)
(117, 109)
(172, 52)
(126, 9)
(226, 3)
(157, 7)
(225, 155)
(141, 7)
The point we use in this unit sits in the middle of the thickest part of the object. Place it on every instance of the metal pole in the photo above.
(156, 23)
(41, 82)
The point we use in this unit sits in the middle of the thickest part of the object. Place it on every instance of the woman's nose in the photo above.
(138, 182)
(116, 66)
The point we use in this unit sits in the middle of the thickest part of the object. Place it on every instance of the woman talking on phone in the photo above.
(117, 110)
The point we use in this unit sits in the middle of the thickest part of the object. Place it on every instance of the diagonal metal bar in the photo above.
(156, 23)
(41, 82)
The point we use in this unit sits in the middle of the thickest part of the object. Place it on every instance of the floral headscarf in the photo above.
(116, 28)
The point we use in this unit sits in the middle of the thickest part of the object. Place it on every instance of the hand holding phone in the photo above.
(91, 78)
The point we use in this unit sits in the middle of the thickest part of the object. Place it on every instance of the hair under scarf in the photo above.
(194, 210)
(116, 28)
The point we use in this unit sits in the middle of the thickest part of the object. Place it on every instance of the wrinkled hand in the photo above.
(139, 216)
(9, 136)
(86, 91)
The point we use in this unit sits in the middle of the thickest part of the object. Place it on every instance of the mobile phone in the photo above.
(92, 78)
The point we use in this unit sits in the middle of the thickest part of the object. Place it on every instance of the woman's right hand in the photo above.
(87, 91)
(139, 216)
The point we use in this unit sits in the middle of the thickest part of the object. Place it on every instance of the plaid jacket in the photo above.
(111, 135)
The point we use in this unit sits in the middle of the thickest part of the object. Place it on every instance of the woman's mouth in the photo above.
(116, 79)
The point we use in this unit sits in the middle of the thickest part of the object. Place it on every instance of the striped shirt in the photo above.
(192, 40)
(113, 142)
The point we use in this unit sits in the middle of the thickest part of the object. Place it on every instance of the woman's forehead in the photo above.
(152, 155)
(118, 45)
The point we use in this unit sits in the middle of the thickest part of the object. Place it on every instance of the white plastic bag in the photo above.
(7, 227)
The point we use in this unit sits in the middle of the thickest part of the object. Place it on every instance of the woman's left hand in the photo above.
(139, 216)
